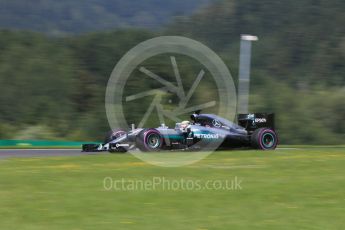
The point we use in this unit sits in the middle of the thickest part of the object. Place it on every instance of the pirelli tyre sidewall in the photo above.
(149, 140)
(264, 138)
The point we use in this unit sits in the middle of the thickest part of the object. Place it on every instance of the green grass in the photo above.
(282, 189)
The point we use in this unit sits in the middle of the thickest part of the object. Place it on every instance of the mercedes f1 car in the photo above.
(204, 131)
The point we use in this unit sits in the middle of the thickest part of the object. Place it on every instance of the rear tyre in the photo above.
(264, 138)
(149, 140)
(112, 135)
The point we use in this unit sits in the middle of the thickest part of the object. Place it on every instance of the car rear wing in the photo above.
(253, 121)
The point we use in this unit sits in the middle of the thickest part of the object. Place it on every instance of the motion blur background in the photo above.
(56, 58)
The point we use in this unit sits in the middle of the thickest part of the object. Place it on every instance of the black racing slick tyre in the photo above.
(264, 138)
(149, 140)
(112, 135)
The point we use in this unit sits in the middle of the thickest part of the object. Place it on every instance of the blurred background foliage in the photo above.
(65, 17)
(56, 58)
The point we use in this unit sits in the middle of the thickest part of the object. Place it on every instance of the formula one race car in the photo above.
(204, 131)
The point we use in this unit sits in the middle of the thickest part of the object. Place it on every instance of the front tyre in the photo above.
(264, 138)
(149, 140)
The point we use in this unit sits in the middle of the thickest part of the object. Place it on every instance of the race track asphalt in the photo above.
(6, 153)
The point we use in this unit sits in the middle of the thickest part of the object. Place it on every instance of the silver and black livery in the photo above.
(255, 130)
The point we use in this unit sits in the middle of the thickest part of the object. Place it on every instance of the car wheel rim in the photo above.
(268, 140)
(153, 140)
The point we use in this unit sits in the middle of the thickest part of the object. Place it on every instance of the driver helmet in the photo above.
(185, 124)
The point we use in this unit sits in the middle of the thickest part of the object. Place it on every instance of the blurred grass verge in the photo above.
(282, 189)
